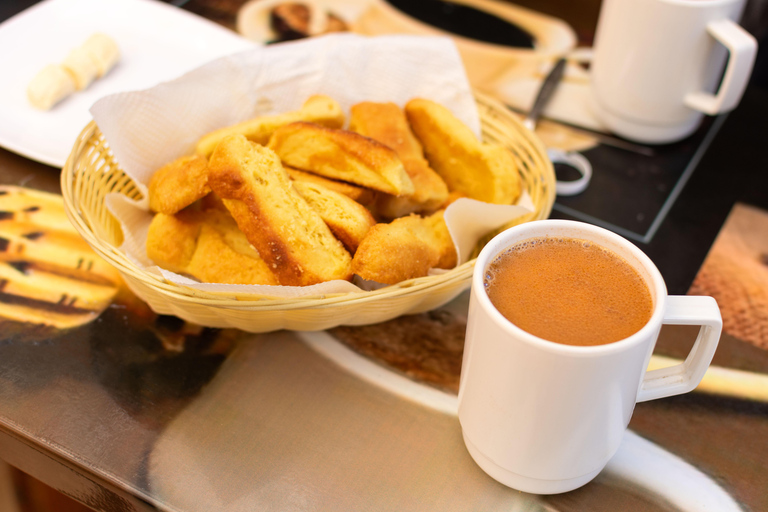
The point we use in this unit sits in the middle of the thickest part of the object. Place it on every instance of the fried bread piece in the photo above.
(394, 252)
(172, 239)
(362, 195)
(288, 234)
(341, 155)
(178, 184)
(442, 240)
(348, 220)
(485, 172)
(222, 257)
(208, 246)
(386, 123)
(212, 202)
(318, 109)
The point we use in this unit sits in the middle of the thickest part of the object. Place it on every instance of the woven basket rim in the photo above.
(91, 134)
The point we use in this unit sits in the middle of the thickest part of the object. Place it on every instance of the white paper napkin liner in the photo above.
(147, 129)
(468, 220)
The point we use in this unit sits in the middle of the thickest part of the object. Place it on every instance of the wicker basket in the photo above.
(91, 173)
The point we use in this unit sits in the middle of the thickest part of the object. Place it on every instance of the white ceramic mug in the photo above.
(544, 417)
(656, 65)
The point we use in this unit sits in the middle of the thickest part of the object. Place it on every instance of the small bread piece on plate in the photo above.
(172, 239)
(348, 220)
(216, 260)
(178, 184)
(362, 195)
(485, 172)
(341, 155)
(318, 109)
(288, 234)
(51, 85)
(103, 50)
(394, 252)
(386, 123)
(82, 66)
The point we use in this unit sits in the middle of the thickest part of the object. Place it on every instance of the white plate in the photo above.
(638, 464)
(158, 42)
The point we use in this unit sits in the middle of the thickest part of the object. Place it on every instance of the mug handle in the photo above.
(742, 48)
(684, 377)
(578, 162)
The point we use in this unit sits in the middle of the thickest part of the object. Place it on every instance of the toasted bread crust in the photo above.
(442, 240)
(358, 194)
(291, 237)
(178, 184)
(480, 171)
(348, 220)
(216, 261)
(342, 155)
(318, 109)
(394, 252)
(386, 123)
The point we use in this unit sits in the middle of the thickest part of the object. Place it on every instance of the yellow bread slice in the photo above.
(394, 252)
(207, 246)
(341, 155)
(288, 234)
(216, 260)
(386, 123)
(178, 184)
(442, 240)
(172, 239)
(362, 195)
(479, 171)
(318, 109)
(349, 221)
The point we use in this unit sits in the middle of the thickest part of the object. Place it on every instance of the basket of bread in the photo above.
(293, 203)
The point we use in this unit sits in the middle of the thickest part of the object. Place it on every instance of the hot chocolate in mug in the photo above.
(546, 417)
(656, 65)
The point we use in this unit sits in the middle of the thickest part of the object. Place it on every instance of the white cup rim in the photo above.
(539, 228)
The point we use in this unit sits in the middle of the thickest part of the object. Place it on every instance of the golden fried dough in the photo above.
(288, 234)
(178, 184)
(318, 109)
(348, 220)
(397, 251)
(386, 123)
(212, 202)
(364, 196)
(341, 155)
(171, 240)
(484, 172)
(208, 246)
(216, 260)
(442, 240)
